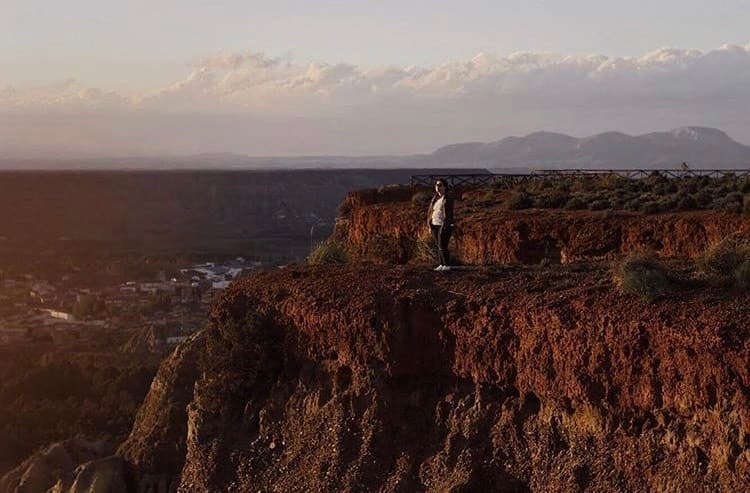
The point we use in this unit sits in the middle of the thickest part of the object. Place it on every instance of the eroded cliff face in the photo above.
(517, 379)
(155, 450)
(385, 226)
(66, 467)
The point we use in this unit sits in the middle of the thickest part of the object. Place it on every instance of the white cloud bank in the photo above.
(252, 103)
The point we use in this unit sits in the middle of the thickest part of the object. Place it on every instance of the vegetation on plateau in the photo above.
(653, 194)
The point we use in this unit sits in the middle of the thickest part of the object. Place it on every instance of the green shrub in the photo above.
(656, 178)
(723, 189)
(519, 200)
(618, 204)
(328, 252)
(650, 207)
(633, 204)
(733, 202)
(636, 187)
(688, 186)
(641, 274)
(686, 203)
(586, 184)
(723, 258)
(665, 188)
(731, 206)
(612, 181)
(551, 200)
(599, 205)
(668, 203)
(703, 197)
(576, 203)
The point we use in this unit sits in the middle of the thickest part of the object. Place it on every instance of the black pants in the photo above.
(442, 235)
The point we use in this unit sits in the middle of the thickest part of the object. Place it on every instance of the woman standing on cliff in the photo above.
(440, 219)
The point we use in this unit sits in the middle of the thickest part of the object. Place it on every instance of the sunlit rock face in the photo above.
(359, 378)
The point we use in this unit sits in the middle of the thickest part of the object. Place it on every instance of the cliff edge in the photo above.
(389, 226)
(360, 378)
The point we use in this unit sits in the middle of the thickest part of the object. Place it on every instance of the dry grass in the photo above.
(641, 274)
(727, 262)
(425, 250)
(328, 252)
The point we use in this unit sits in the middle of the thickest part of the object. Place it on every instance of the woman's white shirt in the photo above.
(438, 212)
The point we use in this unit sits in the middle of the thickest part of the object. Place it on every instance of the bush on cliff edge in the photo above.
(425, 250)
(727, 261)
(641, 274)
(328, 252)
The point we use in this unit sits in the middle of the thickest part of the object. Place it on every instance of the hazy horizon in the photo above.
(291, 157)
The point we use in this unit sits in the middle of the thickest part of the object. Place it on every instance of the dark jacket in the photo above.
(449, 202)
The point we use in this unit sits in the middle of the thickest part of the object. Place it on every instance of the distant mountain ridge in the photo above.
(698, 146)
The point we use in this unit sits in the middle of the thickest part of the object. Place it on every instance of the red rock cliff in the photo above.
(515, 379)
(384, 226)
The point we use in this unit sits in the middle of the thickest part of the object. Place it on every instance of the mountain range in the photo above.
(700, 147)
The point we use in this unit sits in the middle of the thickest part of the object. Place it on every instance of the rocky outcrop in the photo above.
(387, 227)
(155, 450)
(513, 379)
(72, 466)
(146, 340)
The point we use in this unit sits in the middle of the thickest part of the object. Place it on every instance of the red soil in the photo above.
(515, 379)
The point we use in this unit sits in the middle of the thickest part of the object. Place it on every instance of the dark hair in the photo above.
(442, 182)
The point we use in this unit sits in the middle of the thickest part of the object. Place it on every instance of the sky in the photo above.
(99, 78)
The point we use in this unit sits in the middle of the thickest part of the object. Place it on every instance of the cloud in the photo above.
(66, 95)
(485, 94)
(245, 81)
(235, 61)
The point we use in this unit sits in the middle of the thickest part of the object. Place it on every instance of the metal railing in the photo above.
(459, 180)
(476, 179)
(643, 173)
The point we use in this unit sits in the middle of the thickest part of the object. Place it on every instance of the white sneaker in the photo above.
(439, 268)
(445, 268)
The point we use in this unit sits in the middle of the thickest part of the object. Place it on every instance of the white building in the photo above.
(174, 340)
(61, 315)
